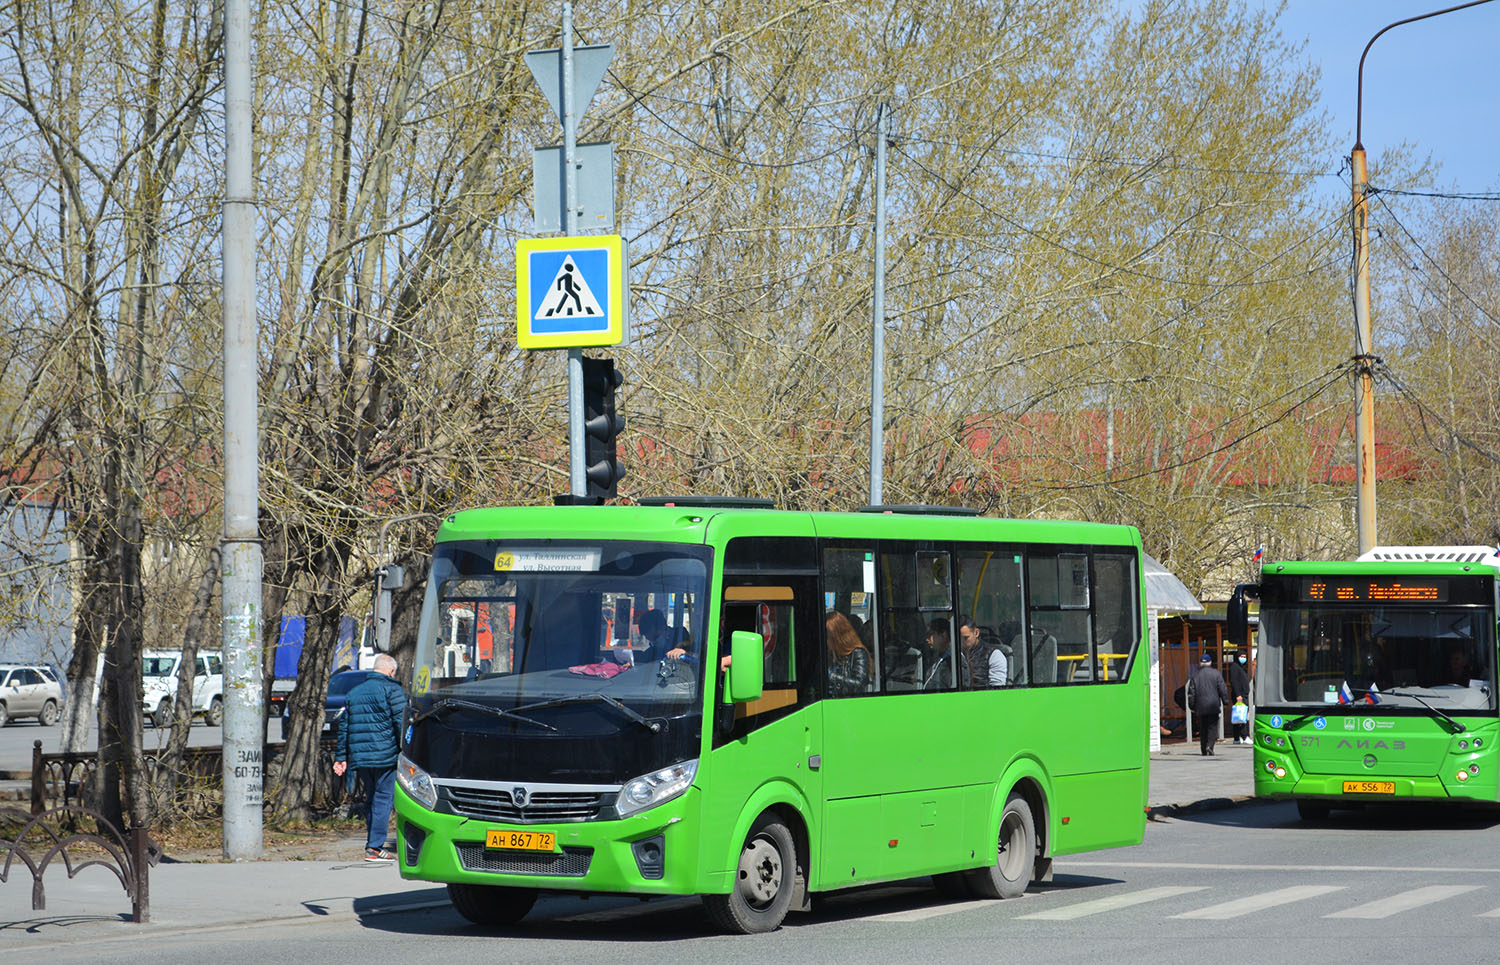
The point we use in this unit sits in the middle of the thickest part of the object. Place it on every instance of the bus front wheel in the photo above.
(491, 905)
(1015, 854)
(763, 884)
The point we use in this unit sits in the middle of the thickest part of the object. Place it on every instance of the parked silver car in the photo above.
(29, 691)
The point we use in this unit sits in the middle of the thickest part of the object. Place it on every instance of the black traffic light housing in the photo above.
(1237, 614)
(601, 427)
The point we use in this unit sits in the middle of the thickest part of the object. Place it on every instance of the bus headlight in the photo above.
(658, 787)
(415, 782)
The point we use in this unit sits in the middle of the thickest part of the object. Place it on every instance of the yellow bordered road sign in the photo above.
(570, 292)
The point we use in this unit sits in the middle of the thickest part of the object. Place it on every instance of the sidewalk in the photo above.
(192, 896)
(1181, 778)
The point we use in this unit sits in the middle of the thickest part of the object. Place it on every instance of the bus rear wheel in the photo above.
(491, 905)
(1015, 854)
(764, 881)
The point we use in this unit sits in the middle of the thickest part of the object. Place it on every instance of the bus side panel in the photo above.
(745, 777)
(1102, 726)
(895, 769)
(1089, 812)
(849, 857)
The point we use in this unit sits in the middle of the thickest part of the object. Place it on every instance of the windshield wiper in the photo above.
(1457, 727)
(445, 704)
(653, 725)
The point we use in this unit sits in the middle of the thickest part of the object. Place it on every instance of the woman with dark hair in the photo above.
(848, 660)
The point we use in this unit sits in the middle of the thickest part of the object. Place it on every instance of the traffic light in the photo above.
(601, 427)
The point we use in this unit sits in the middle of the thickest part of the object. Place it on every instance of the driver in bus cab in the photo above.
(1458, 667)
(663, 642)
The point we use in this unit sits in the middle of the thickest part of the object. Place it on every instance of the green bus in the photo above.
(1375, 679)
(716, 698)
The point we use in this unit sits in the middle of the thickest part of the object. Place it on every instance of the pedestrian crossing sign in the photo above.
(570, 292)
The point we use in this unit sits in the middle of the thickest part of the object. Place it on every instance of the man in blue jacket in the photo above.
(369, 739)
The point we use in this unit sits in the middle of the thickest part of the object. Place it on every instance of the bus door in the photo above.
(892, 771)
(770, 588)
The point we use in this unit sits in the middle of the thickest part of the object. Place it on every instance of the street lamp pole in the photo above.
(1364, 359)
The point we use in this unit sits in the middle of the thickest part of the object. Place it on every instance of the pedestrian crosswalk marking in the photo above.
(1405, 901)
(1113, 902)
(1253, 903)
(934, 911)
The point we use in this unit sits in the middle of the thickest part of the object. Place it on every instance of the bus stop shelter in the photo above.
(1165, 596)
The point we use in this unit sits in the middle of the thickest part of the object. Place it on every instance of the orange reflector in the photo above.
(1066, 820)
(893, 842)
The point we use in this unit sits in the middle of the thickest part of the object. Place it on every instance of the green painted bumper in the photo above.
(593, 856)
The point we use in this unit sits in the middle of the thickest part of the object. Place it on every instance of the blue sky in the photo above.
(1434, 84)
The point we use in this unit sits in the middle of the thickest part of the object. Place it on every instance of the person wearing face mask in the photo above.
(1239, 684)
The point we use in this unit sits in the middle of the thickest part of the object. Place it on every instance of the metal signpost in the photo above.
(583, 302)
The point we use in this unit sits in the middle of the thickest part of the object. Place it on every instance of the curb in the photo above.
(157, 930)
(1161, 811)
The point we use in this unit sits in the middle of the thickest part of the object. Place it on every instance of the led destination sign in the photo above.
(1384, 590)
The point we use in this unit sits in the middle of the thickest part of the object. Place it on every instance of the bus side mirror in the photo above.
(746, 676)
(1237, 614)
(387, 579)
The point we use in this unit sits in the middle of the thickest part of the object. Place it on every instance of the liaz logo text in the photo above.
(1369, 745)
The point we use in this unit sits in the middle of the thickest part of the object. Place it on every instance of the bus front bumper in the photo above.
(654, 852)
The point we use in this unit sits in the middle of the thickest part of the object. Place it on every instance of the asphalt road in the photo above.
(17, 737)
(1251, 883)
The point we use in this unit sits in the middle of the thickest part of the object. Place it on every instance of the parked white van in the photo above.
(159, 677)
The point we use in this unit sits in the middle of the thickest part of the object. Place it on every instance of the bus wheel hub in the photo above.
(760, 871)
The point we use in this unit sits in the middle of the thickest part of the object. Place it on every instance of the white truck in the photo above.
(159, 691)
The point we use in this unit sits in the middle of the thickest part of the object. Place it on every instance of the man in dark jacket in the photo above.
(369, 739)
(1209, 695)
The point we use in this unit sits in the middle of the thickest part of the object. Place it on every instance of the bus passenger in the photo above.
(848, 660)
(986, 661)
(940, 651)
(663, 642)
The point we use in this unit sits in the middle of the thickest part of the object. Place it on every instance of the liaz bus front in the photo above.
(556, 717)
(1375, 682)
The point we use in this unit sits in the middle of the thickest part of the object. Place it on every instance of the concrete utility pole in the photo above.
(243, 825)
(1364, 393)
(1364, 358)
(877, 353)
(577, 464)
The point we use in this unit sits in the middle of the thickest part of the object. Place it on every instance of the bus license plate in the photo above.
(1362, 787)
(520, 840)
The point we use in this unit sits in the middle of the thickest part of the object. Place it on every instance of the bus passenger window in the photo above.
(916, 621)
(989, 594)
(1058, 588)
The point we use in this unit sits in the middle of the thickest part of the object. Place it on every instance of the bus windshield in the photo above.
(579, 637)
(1441, 657)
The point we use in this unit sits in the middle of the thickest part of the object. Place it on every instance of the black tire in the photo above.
(214, 716)
(764, 881)
(491, 905)
(1314, 811)
(1015, 854)
(162, 716)
(48, 716)
(4, 715)
(953, 884)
